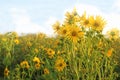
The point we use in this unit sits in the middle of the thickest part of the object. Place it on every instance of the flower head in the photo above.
(109, 53)
(36, 60)
(97, 23)
(71, 18)
(4, 39)
(6, 72)
(37, 66)
(56, 27)
(50, 52)
(60, 64)
(24, 64)
(64, 30)
(16, 41)
(75, 33)
(85, 21)
(41, 35)
(46, 71)
(113, 34)
(36, 50)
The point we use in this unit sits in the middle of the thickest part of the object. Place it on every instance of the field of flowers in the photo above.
(78, 51)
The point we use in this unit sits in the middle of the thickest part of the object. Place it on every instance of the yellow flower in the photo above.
(29, 44)
(24, 64)
(50, 52)
(75, 34)
(97, 23)
(41, 35)
(46, 71)
(60, 64)
(56, 27)
(37, 66)
(74, 12)
(4, 39)
(58, 52)
(64, 30)
(113, 33)
(16, 41)
(36, 50)
(84, 21)
(100, 44)
(6, 72)
(56, 42)
(36, 60)
(15, 34)
(75, 48)
(17, 69)
(109, 53)
(70, 18)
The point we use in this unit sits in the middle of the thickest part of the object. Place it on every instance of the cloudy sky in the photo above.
(29, 16)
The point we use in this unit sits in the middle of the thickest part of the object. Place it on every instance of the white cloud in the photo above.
(51, 20)
(81, 8)
(48, 25)
(90, 10)
(23, 22)
(116, 4)
(113, 20)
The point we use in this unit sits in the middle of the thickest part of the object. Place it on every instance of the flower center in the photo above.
(96, 24)
(74, 33)
(86, 22)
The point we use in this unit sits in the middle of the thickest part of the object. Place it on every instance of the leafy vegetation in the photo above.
(79, 51)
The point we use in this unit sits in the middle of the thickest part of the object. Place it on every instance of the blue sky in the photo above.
(25, 16)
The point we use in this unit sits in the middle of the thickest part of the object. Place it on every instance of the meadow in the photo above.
(77, 51)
